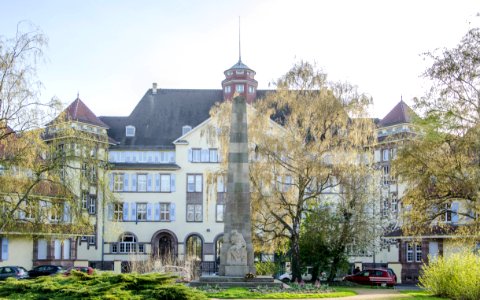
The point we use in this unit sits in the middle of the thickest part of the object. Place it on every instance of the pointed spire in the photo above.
(239, 44)
(78, 94)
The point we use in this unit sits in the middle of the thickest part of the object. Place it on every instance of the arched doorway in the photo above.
(164, 245)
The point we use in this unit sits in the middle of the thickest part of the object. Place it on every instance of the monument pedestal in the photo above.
(234, 281)
(236, 271)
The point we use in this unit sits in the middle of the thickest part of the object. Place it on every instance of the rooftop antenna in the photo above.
(239, 45)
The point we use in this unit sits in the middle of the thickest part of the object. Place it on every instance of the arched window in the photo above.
(127, 243)
(194, 248)
(218, 247)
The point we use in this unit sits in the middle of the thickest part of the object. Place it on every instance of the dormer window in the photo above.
(186, 129)
(251, 89)
(130, 130)
(228, 89)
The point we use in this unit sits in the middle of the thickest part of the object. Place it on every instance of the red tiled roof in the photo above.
(78, 111)
(401, 113)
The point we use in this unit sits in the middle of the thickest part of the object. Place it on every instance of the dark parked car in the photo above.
(87, 270)
(373, 277)
(45, 270)
(13, 271)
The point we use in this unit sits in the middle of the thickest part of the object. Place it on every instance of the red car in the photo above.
(372, 277)
(87, 270)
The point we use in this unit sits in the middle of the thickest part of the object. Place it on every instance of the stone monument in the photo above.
(236, 254)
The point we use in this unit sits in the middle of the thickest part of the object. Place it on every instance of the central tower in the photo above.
(240, 81)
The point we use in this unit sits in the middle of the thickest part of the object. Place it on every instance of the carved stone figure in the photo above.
(237, 253)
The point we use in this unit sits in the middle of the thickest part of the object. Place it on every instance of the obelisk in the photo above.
(236, 254)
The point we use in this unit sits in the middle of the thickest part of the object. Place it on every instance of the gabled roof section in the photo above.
(78, 111)
(401, 113)
(159, 117)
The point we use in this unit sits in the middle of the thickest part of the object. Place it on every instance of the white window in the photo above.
(118, 211)
(42, 249)
(418, 252)
(251, 89)
(142, 182)
(128, 243)
(219, 212)
(213, 155)
(164, 211)
(386, 175)
(92, 204)
(141, 211)
(409, 252)
(165, 183)
(57, 253)
(228, 89)
(394, 202)
(196, 155)
(194, 212)
(386, 154)
(240, 88)
(130, 130)
(66, 249)
(118, 182)
(194, 183)
(85, 200)
(186, 129)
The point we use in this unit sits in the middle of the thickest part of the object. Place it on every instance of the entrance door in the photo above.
(165, 247)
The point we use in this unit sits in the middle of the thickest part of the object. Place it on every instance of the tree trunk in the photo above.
(296, 271)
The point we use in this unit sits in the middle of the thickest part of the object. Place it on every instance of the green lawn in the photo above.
(244, 293)
(421, 295)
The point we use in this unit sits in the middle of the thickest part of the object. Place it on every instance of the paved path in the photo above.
(369, 293)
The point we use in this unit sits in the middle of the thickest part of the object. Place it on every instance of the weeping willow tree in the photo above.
(442, 165)
(307, 139)
(42, 168)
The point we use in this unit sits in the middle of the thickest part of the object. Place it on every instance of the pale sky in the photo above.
(111, 51)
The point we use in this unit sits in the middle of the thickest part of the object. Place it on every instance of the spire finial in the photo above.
(401, 97)
(78, 95)
(239, 39)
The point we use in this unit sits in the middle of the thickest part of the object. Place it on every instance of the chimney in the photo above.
(154, 88)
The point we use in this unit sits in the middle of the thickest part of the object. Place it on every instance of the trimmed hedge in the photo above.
(456, 276)
(99, 286)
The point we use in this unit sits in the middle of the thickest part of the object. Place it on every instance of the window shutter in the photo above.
(157, 211)
(125, 211)
(149, 211)
(190, 155)
(172, 183)
(149, 182)
(377, 155)
(110, 211)
(205, 155)
(4, 248)
(133, 209)
(66, 212)
(111, 181)
(157, 182)
(455, 206)
(172, 211)
(134, 183)
(125, 182)
(219, 155)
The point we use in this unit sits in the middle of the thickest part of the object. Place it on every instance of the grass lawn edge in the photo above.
(235, 293)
